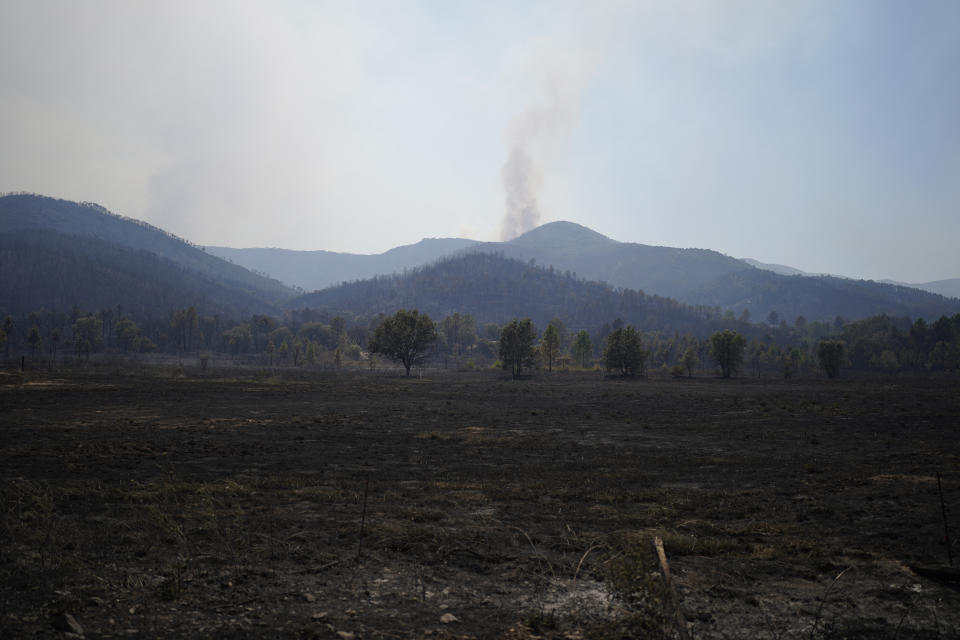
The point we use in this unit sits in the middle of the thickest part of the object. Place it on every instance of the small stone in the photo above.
(309, 597)
(346, 635)
(447, 618)
(320, 615)
(67, 623)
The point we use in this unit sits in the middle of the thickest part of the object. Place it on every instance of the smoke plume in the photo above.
(520, 181)
(563, 65)
(522, 177)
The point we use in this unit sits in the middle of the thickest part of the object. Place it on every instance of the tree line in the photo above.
(310, 337)
(407, 336)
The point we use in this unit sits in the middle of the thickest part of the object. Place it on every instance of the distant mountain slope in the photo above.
(782, 269)
(565, 245)
(496, 289)
(817, 297)
(949, 288)
(312, 270)
(44, 270)
(694, 276)
(663, 271)
(31, 212)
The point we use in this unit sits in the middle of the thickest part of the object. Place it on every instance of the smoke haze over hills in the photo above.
(816, 134)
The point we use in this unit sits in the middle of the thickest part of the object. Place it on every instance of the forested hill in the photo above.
(55, 272)
(567, 246)
(817, 297)
(664, 271)
(496, 289)
(23, 212)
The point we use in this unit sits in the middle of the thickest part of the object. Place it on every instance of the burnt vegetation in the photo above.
(191, 503)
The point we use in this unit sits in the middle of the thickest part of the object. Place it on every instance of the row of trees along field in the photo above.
(309, 337)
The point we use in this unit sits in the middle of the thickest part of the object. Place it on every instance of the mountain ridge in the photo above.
(317, 269)
(502, 288)
(26, 212)
(693, 277)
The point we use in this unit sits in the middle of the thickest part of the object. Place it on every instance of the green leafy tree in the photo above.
(624, 351)
(786, 364)
(8, 328)
(491, 331)
(582, 350)
(405, 337)
(796, 357)
(458, 333)
(90, 330)
(209, 328)
(260, 328)
(145, 345)
(887, 361)
(54, 341)
(516, 346)
(312, 352)
(280, 335)
(34, 339)
(319, 333)
(185, 326)
(562, 333)
(690, 360)
(87, 335)
(338, 327)
(238, 339)
(755, 352)
(127, 334)
(726, 349)
(801, 324)
(296, 353)
(550, 345)
(830, 356)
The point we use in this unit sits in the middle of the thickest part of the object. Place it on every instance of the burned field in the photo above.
(362, 506)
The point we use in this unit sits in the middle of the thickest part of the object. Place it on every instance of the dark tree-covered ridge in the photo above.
(45, 270)
(495, 289)
(25, 212)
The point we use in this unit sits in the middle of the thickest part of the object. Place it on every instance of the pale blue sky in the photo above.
(823, 135)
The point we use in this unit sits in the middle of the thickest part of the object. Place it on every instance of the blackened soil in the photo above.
(364, 506)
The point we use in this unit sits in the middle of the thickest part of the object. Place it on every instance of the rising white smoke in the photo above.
(520, 181)
(565, 64)
(521, 173)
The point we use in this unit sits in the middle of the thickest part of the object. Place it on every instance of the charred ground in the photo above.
(152, 504)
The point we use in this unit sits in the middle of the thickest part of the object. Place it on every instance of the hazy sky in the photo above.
(823, 135)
